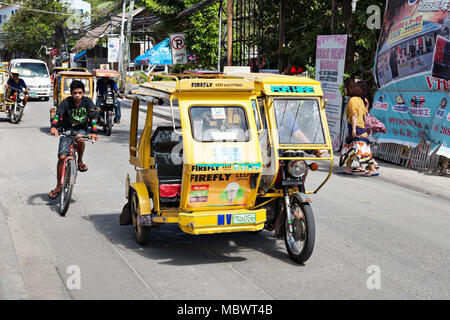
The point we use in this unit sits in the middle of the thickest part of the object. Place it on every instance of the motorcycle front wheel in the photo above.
(300, 242)
(15, 113)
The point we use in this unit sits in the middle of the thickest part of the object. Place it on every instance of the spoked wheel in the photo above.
(67, 188)
(141, 234)
(300, 242)
(15, 113)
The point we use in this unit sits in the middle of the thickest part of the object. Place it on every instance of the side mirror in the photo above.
(325, 101)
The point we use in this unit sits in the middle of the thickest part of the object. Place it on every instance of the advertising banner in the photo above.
(330, 64)
(113, 49)
(412, 71)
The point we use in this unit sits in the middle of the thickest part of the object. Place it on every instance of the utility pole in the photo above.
(281, 37)
(122, 51)
(220, 35)
(230, 32)
(129, 24)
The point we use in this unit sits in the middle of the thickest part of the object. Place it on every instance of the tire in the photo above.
(108, 128)
(46, 98)
(15, 114)
(141, 234)
(67, 188)
(304, 233)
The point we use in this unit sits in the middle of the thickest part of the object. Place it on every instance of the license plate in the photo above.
(242, 218)
(33, 94)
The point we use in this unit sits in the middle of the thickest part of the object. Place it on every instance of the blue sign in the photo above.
(291, 89)
(159, 54)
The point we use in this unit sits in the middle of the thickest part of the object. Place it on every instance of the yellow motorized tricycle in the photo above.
(61, 87)
(236, 161)
(12, 101)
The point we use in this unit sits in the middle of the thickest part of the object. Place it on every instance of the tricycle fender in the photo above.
(301, 197)
(145, 203)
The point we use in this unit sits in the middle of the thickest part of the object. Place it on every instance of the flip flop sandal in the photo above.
(344, 173)
(372, 175)
(358, 170)
(53, 195)
(82, 167)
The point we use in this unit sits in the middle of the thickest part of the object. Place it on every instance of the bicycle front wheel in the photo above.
(67, 187)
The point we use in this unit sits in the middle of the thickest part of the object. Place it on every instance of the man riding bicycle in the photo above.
(16, 84)
(73, 114)
(101, 87)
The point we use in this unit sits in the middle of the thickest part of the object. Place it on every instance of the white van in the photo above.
(36, 76)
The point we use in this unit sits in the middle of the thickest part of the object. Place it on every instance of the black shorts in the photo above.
(65, 142)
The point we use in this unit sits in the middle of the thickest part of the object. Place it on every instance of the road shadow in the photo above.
(42, 199)
(171, 246)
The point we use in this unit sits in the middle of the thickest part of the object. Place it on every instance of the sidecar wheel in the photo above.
(141, 234)
(300, 243)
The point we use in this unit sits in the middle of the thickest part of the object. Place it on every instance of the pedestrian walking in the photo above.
(357, 144)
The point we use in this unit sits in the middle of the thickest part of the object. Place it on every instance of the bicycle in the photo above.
(69, 173)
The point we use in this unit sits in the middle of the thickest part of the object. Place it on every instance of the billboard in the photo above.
(330, 64)
(412, 72)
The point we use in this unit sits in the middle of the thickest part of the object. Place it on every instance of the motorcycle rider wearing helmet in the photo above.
(101, 87)
(15, 83)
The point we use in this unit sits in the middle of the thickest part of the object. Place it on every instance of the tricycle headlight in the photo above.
(297, 168)
(21, 96)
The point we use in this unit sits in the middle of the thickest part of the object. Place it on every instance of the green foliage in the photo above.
(201, 28)
(27, 30)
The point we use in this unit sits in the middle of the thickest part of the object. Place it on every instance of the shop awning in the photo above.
(159, 54)
(79, 56)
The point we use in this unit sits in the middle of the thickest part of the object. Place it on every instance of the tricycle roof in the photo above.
(275, 84)
(106, 73)
(75, 74)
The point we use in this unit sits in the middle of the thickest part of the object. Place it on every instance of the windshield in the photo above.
(219, 124)
(30, 69)
(298, 121)
(68, 81)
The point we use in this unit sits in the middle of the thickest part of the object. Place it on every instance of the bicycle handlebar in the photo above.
(70, 134)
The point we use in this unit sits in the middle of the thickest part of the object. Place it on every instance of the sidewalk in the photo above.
(438, 186)
(162, 112)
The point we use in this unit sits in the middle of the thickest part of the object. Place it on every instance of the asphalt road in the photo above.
(362, 225)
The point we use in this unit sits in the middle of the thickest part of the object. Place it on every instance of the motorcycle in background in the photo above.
(106, 112)
(16, 108)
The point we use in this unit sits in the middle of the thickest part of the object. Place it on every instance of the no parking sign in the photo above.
(178, 48)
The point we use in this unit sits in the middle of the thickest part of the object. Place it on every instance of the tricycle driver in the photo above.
(16, 84)
(101, 87)
(73, 114)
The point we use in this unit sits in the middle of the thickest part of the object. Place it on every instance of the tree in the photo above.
(28, 29)
(201, 28)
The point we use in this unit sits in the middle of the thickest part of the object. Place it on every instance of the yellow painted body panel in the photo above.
(220, 222)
